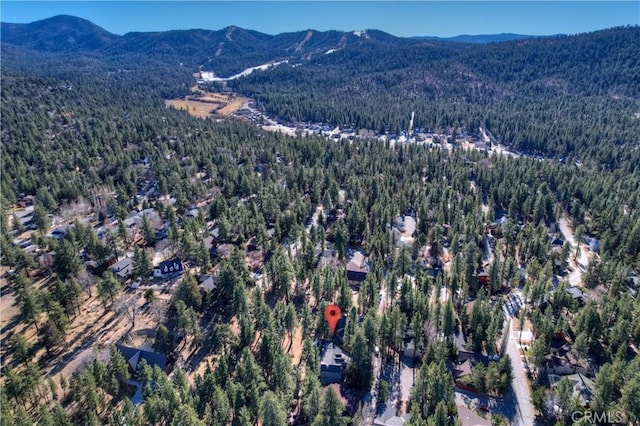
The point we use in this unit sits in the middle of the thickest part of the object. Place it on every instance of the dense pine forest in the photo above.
(86, 124)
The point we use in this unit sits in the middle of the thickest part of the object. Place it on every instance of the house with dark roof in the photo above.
(357, 268)
(462, 370)
(561, 361)
(557, 242)
(122, 268)
(134, 356)
(59, 233)
(464, 354)
(168, 268)
(333, 364)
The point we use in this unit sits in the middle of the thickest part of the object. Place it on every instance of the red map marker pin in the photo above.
(332, 313)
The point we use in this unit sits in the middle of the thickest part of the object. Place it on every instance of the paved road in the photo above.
(520, 386)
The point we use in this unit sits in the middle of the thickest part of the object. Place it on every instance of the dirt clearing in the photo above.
(208, 104)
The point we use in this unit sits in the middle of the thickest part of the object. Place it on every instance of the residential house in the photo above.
(496, 227)
(556, 243)
(134, 356)
(464, 355)
(594, 245)
(463, 369)
(391, 417)
(221, 251)
(253, 244)
(193, 212)
(333, 364)
(133, 221)
(210, 245)
(255, 260)
(582, 387)
(208, 283)
(122, 268)
(45, 260)
(403, 228)
(162, 233)
(338, 335)
(560, 360)
(399, 224)
(59, 233)
(483, 278)
(577, 294)
(168, 268)
(25, 201)
(215, 234)
(357, 268)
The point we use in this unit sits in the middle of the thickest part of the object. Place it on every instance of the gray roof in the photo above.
(582, 386)
(390, 417)
(332, 357)
(208, 282)
(575, 292)
(122, 268)
(357, 263)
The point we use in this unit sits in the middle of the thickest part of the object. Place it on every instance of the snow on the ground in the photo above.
(280, 128)
(210, 76)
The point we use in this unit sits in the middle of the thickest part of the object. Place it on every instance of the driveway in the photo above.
(407, 377)
(577, 266)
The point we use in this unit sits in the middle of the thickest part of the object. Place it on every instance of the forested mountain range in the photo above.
(225, 51)
(556, 96)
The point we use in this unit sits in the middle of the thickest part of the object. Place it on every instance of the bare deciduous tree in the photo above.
(127, 306)
(87, 281)
(158, 308)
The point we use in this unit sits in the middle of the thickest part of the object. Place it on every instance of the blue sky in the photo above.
(402, 18)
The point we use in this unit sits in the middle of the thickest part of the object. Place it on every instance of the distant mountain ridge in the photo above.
(195, 47)
(231, 50)
(484, 38)
(217, 50)
(62, 33)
